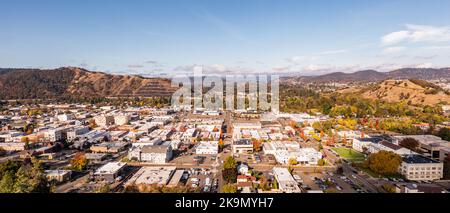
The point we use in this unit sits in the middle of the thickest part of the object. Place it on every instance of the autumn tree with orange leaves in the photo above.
(79, 162)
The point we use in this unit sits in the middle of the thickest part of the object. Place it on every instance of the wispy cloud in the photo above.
(392, 50)
(135, 66)
(417, 33)
(332, 52)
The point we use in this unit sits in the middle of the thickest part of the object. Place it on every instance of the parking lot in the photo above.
(203, 179)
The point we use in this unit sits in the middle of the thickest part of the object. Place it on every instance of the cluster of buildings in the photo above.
(423, 164)
(287, 150)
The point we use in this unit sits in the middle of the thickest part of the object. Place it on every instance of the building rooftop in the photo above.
(374, 139)
(155, 149)
(243, 142)
(418, 159)
(152, 175)
(110, 168)
(390, 145)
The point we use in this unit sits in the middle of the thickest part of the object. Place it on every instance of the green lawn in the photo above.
(349, 154)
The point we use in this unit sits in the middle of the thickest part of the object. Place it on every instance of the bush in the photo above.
(229, 188)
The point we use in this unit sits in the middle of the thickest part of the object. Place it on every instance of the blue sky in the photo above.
(145, 37)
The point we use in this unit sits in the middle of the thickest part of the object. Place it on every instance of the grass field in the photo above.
(349, 154)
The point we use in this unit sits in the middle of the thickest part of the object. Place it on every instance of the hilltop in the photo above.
(415, 92)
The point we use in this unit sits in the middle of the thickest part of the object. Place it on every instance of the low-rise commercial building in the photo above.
(207, 148)
(104, 120)
(429, 144)
(242, 146)
(284, 151)
(148, 175)
(157, 154)
(390, 147)
(109, 147)
(286, 183)
(420, 168)
(110, 171)
(58, 175)
(13, 146)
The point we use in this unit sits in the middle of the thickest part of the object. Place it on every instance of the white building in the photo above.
(284, 151)
(110, 171)
(11, 136)
(360, 144)
(242, 146)
(152, 176)
(207, 148)
(121, 119)
(104, 120)
(390, 147)
(420, 168)
(73, 133)
(286, 183)
(156, 154)
(56, 134)
(65, 117)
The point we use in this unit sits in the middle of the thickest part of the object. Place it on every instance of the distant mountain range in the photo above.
(66, 81)
(374, 76)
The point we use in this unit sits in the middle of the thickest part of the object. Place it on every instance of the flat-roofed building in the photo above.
(242, 146)
(96, 157)
(150, 175)
(420, 168)
(390, 147)
(429, 144)
(157, 154)
(207, 148)
(109, 147)
(122, 119)
(110, 171)
(286, 183)
(58, 175)
(360, 144)
(13, 146)
(74, 132)
(104, 120)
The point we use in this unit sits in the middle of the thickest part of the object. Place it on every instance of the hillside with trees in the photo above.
(77, 82)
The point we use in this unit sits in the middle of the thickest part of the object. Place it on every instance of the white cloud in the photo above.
(395, 37)
(417, 33)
